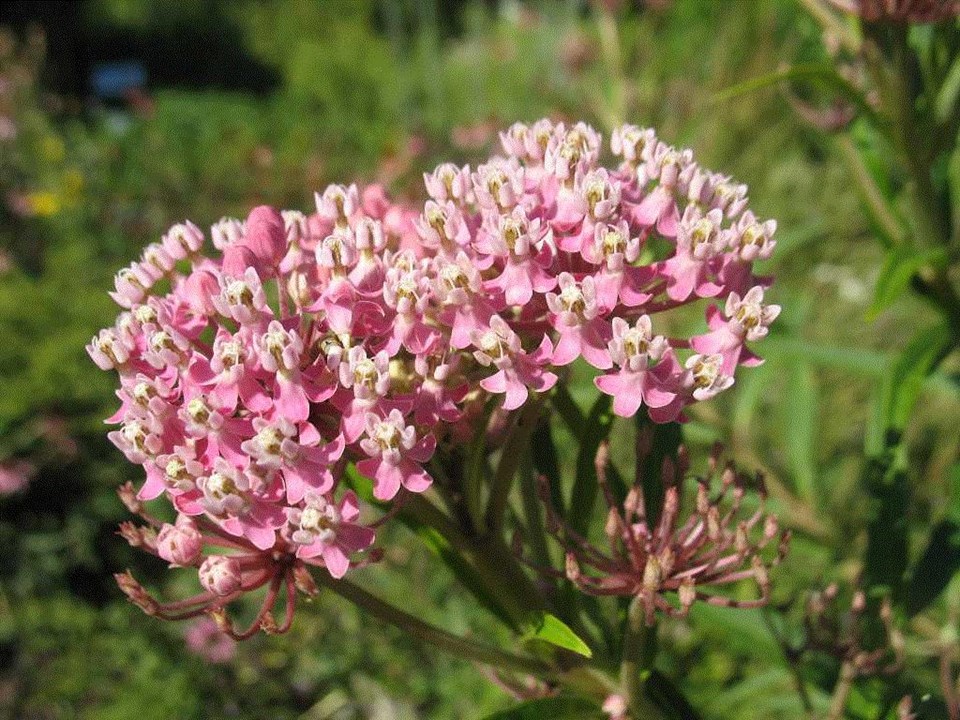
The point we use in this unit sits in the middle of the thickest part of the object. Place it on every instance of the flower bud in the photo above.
(266, 235)
(180, 544)
(220, 575)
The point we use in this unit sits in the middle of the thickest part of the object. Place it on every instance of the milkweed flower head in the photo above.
(261, 360)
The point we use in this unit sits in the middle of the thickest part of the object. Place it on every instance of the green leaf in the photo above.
(909, 372)
(800, 429)
(585, 488)
(821, 73)
(887, 542)
(553, 630)
(941, 559)
(899, 267)
(545, 461)
(562, 707)
(664, 443)
(461, 569)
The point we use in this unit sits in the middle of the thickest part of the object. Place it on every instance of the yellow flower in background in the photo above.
(43, 203)
(52, 148)
(72, 184)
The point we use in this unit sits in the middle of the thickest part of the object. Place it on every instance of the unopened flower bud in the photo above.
(136, 593)
(180, 544)
(221, 575)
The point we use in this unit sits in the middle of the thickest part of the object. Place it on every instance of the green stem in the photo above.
(639, 650)
(841, 691)
(446, 641)
(514, 448)
(870, 193)
(829, 21)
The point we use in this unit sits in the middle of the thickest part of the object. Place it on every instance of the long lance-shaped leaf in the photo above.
(442, 639)
(545, 461)
(476, 469)
(516, 446)
(885, 480)
(941, 559)
(663, 441)
(585, 487)
(821, 73)
(800, 430)
(579, 425)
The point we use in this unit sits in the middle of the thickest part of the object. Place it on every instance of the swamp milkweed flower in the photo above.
(253, 374)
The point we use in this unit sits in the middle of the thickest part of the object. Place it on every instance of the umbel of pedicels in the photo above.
(258, 360)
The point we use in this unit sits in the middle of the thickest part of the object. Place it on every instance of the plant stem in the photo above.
(639, 650)
(841, 691)
(832, 24)
(446, 641)
(870, 194)
(516, 446)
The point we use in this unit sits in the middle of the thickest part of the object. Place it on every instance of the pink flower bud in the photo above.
(220, 575)
(180, 544)
(266, 235)
(199, 289)
(374, 201)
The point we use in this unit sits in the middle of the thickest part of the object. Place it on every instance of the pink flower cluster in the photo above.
(366, 332)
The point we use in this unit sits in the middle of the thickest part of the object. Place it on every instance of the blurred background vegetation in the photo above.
(247, 102)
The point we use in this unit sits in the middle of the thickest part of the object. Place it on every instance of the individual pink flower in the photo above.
(329, 530)
(221, 575)
(517, 371)
(747, 319)
(396, 455)
(523, 246)
(646, 374)
(266, 236)
(577, 317)
(295, 451)
(700, 241)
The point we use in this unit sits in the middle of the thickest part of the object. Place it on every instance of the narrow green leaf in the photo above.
(800, 429)
(935, 568)
(667, 696)
(887, 541)
(899, 267)
(461, 570)
(476, 469)
(941, 559)
(825, 74)
(595, 430)
(664, 443)
(545, 461)
(553, 630)
(949, 94)
(910, 370)
(563, 707)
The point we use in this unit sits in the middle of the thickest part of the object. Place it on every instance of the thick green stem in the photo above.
(446, 641)
(639, 650)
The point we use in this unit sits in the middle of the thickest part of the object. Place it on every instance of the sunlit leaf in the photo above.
(553, 630)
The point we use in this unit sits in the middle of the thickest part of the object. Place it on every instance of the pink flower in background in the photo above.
(204, 639)
(15, 476)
